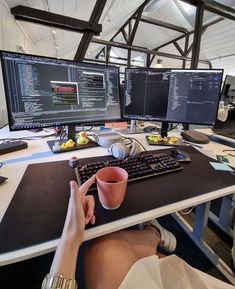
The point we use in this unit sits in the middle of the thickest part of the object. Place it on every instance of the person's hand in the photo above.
(80, 210)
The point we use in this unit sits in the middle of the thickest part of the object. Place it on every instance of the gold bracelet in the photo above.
(58, 282)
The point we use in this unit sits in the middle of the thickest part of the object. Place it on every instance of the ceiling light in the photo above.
(54, 31)
(159, 63)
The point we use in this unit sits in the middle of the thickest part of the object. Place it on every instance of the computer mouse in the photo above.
(180, 156)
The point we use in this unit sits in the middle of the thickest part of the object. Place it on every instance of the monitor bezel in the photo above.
(126, 117)
(60, 124)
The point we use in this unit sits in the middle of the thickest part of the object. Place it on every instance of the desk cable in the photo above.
(131, 141)
(191, 208)
(172, 127)
(187, 212)
(167, 130)
(63, 134)
(229, 153)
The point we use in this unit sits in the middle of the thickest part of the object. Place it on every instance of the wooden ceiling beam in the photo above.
(87, 36)
(55, 20)
(163, 24)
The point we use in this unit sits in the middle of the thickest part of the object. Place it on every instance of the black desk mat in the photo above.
(37, 211)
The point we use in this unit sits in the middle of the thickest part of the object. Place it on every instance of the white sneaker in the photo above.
(168, 241)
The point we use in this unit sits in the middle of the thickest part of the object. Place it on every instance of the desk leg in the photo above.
(200, 223)
(225, 219)
(201, 219)
(196, 234)
(233, 248)
(226, 213)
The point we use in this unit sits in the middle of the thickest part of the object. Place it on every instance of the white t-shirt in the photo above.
(170, 272)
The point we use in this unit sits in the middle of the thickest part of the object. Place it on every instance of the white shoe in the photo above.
(168, 241)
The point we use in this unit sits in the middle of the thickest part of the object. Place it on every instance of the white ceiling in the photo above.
(217, 43)
(43, 38)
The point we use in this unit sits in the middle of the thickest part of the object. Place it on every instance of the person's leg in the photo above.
(143, 242)
(109, 258)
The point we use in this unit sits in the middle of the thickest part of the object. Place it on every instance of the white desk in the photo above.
(14, 165)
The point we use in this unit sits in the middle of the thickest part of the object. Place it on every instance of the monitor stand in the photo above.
(164, 129)
(61, 146)
(133, 128)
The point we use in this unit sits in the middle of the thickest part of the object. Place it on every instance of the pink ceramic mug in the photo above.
(111, 185)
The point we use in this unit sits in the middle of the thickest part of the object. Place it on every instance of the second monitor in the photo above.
(172, 95)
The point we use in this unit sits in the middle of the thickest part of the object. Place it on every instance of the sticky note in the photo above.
(221, 167)
(120, 125)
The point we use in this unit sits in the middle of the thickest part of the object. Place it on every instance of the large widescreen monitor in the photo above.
(172, 95)
(48, 92)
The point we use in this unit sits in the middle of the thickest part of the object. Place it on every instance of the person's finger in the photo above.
(88, 218)
(92, 221)
(89, 208)
(85, 187)
(73, 188)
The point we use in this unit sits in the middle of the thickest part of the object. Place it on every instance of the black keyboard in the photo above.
(140, 167)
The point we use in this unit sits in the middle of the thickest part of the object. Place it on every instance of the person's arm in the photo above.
(80, 212)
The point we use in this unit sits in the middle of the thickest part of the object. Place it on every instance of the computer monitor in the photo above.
(228, 90)
(172, 95)
(48, 92)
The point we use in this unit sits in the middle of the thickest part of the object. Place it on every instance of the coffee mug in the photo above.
(111, 185)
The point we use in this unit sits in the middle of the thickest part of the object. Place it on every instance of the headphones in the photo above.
(120, 150)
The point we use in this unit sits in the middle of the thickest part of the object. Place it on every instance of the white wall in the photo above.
(11, 38)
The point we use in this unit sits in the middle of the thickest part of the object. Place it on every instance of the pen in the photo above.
(192, 144)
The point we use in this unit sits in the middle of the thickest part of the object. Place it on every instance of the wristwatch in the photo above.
(58, 282)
